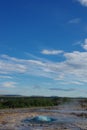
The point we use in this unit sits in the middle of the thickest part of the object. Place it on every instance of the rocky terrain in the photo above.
(70, 116)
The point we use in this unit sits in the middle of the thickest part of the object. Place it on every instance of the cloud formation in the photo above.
(72, 70)
(51, 52)
(74, 21)
(83, 2)
(5, 77)
(8, 84)
(84, 45)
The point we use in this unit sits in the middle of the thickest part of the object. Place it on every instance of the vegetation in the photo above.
(26, 102)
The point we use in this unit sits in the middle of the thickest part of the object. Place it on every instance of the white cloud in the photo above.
(84, 45)
(83, 2)
(72, 70)
(74, 21)
(8, 84)
(77, 64)
(73, 82)
(76, 83)
(51, 52)
(5, 77)
(11, 64)
(77, 43)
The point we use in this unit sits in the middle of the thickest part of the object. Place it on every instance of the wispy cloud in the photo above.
(62, 89)
(83, 2)
(84, 45)
(5, 77)
(74, 21)
(9, 84)
(34, 57)
(77, 43)
(11, 64)
(72, 83)
(51, 52)
(72, 70)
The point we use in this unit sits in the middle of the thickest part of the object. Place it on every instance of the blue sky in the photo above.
(43, 47)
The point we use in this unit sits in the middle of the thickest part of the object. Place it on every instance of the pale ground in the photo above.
(68, 118)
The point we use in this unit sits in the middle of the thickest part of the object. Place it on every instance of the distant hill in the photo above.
(10, 95)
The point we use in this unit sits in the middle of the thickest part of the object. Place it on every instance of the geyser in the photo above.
(40, 119)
